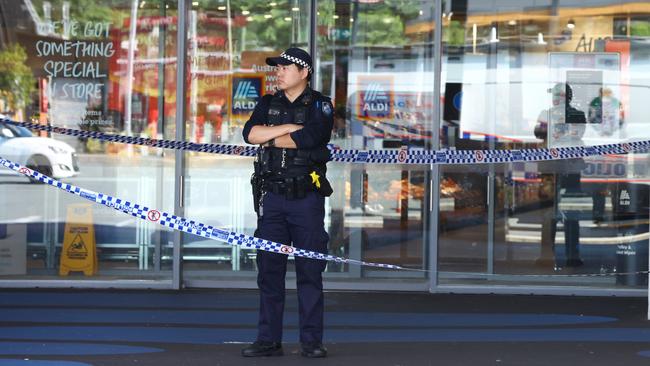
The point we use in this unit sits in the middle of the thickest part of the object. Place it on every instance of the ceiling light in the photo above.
(571, 24)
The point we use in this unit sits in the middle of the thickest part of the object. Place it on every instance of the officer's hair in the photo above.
(308, 73)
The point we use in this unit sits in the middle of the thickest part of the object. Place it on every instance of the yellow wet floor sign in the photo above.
(79, 252)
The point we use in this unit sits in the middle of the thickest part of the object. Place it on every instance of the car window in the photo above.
(10, 131)
(22, 131)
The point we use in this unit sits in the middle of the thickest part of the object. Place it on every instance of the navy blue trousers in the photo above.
(298, 223)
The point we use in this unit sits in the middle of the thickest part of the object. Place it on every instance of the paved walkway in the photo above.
(208, 327)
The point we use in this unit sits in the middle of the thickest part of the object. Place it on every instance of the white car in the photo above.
(45, 155)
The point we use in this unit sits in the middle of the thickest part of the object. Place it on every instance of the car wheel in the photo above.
(41, 165)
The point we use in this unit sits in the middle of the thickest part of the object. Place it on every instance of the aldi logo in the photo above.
(375, 98)
(246, 92)
(375, 93)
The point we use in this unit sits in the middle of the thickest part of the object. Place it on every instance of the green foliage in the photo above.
(454, 33)
(16, 79)
(273, 33)
(640, 29)
(84, 10)
(383, 23)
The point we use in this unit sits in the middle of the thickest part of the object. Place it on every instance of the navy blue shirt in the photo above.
(317, 129)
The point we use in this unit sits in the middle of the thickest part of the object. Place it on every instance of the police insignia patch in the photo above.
(327, 108)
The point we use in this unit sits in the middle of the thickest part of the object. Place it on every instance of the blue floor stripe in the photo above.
(145, 300)
(249, 318)
(644, 353)
(218, 336)
(10, 362)
(66, 348)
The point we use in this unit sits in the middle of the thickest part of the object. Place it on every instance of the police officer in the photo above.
(561, 125)
(292, 127)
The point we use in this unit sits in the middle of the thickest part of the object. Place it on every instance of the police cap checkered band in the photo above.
(292, 56)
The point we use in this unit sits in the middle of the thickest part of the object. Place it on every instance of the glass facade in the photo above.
(545, 75)
(407, 74)
(86, 65)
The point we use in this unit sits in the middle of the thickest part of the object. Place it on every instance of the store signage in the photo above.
(246, 91)
(376, 99)
(339, 34)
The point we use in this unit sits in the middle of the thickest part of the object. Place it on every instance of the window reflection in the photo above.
(106, 66)
(381, 81)
(528, 76)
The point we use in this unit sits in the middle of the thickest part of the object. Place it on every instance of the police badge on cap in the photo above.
(292, 56)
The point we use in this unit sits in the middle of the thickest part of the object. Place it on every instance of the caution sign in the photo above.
(79, 252)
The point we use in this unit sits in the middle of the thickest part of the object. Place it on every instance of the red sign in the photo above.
(286, 249)
(402, 155)
(25, 171)
(479, 155)
(153, 215)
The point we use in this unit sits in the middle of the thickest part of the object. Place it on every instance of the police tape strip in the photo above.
(230, 237)
(185, 225)
(143, 141)
(402, 156)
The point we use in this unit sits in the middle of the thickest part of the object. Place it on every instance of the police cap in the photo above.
(292, 55)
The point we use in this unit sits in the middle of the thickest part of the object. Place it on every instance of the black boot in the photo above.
(262, 349)
(313, 350)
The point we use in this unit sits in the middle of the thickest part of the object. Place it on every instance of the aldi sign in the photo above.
(246, 91)
(375, 98)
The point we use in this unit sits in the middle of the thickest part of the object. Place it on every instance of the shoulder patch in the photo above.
(327, 108)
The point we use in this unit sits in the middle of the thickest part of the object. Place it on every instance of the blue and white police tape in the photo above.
(188, 226)
(402, 156)
(142, 141)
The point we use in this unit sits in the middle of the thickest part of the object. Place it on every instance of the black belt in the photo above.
(291, 188)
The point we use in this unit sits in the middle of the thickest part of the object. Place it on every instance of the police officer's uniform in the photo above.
(289, 189)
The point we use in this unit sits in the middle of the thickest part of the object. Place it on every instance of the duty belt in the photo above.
(291, 188)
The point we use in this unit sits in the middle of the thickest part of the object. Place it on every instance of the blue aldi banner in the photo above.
(246, 91)
(376, 98)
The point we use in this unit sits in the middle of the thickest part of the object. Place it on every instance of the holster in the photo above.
(257, 185)
(325, 187)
